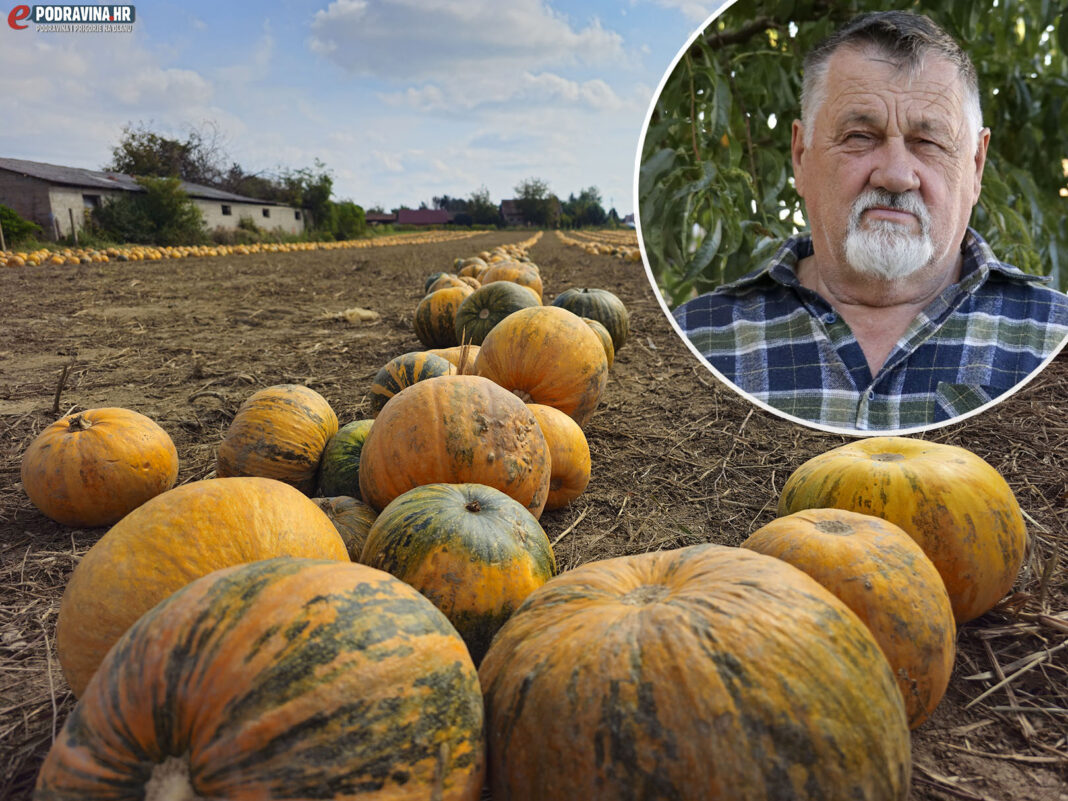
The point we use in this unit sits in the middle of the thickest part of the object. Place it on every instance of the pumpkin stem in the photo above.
(888, 457)
(170, 781)
(834, 527)
(523, 395)
(79, 423)
(473, 506)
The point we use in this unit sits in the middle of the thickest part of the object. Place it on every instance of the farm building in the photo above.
(58, 197)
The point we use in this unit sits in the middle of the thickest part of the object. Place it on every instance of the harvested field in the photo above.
(677, 459)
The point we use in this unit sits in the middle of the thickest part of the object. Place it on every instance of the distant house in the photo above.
(56, 197)
(423, 217)
(379, 218)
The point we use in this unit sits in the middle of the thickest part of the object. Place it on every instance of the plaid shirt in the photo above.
(784, 344)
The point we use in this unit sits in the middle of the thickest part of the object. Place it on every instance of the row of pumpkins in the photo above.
(223, 643)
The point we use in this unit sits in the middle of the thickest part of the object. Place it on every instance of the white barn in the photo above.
(58, 197)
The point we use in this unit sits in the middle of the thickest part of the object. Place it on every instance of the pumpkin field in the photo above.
(676, 460)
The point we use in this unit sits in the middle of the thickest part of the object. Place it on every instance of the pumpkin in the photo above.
(352, 518)
(176, 537)
(404, 371)
(285, 678)
(522, 273)
(279, 432)
(445, 281)
(488, 305)
(339, 467)
(455, 430)
(473, 551)
(91, 468)
(462, 357)
(471, 281)
(472, 267)
(956, 506)
(546, 355)
(569, 455)
(435, 316)
(605, 337)
(430, 279)
(600, 305)
(699, 673)
(883, 575)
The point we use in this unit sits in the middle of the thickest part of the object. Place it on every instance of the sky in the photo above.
(402, 100)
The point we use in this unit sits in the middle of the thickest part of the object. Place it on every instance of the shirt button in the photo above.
(829, 318)
(871, 394)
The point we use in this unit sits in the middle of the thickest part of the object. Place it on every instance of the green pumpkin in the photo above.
(487, 306)
(472, 550)
(600, 305)
(403, 371)
(339, 469)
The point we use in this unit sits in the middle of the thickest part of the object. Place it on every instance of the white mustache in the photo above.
(904, 201)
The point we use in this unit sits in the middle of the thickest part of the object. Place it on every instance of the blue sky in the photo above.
(403, 100)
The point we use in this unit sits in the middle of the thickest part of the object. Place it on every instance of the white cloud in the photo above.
(419, 40)
(693, 11)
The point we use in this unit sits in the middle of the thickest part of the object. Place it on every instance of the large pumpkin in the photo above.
(455, 430)
(339, 467)
(352, 518)
(472, 550)
(883, 575)
(286, 678)
(600, 305)
(956, 506)
(91, 468)
(279, 432)
(435, 316)
(176, 537)
(547, 355)
(403, 371)
(569, 453)
(487, 306)
(701, 673)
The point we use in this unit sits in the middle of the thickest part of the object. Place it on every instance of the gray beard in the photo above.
(886, 250)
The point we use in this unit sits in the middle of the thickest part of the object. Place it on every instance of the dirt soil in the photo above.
(677, 459)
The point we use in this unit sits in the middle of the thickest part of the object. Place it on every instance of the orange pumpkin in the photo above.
(455, 430)
(605, 337)
(176, 537)
(93, 467)
(883, 575)
(956, 506)
(546, 354)
(279, 432)
(569, 454)
(523, 273)
(462, 357)
(700, 673)
(445, 281)
(285, 678)
(435, 316)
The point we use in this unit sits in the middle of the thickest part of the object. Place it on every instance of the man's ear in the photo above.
(980, 162)
(797, 150)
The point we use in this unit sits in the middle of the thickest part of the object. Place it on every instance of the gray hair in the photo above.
(905, 38)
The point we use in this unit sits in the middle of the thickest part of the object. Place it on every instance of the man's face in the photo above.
(891, 173)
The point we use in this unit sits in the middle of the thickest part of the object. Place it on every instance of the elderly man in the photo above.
(891, 313)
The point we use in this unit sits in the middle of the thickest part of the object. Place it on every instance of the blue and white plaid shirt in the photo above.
(785, 345)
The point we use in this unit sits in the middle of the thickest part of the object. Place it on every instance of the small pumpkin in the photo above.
(435, 316)
(473, 267)
(698, 673)
(462, 357)
(569, 455)
(956, 506)
(92, 468)
(430, 279)
(487, 306)
(339, 468)
(285, 678)
(546, 354)
(176, 537)
(445, 281)
(473, 551)
(522, 273)
(883, 575)
(600, 305)
(278, 432)
(605, 337)
(404, 371)
(456, 429)
(352, 518)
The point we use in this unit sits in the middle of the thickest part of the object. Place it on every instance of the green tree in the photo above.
(715, 189)
(17, 229)
(163, 214)
(483, 211)
(196, 159)
(586, 210)
(538, 205)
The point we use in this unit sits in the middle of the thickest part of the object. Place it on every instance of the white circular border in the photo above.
(852, 432)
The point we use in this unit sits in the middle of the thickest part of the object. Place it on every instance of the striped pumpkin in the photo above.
(600, 305)
(883, 575)
(700, 673)
(352, 518)
(404, 371)
(286, 678)
(279, 432)
(471, 549)
(176, 537)
(487, 306)
(339, 468)
(435, 316)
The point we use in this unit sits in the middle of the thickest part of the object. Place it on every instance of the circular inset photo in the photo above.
(856, 220)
